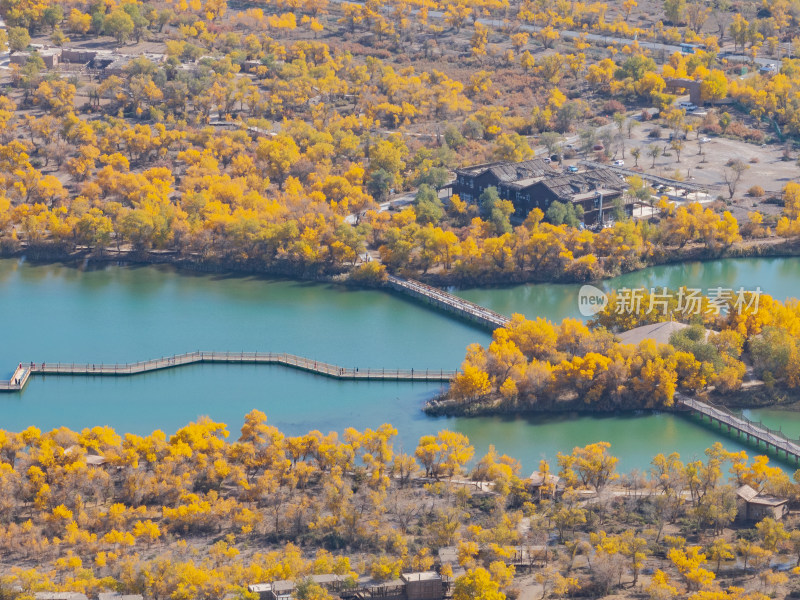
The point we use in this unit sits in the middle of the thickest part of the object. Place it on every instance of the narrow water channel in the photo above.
(119, 314)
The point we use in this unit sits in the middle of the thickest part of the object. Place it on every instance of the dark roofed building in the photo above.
(585, 189)
(536, 184)
(472, 181)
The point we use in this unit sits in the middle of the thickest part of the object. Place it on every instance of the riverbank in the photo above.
(109, 256)
(762, 248)
(751, 397)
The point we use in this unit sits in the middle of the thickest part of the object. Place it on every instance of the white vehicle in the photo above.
(704, 140)
(687, 106)
(771, 68)
(619, 163)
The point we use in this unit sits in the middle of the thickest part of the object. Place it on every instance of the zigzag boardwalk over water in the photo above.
(25, 370)
(742, 425)
(431, 295)
(448, 302)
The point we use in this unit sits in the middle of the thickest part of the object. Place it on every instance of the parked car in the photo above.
(619, 163)
(572, 169)
(704, 140)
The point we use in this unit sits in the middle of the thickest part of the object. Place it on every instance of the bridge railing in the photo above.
(755, 428)
(187, 358)
(455, 302)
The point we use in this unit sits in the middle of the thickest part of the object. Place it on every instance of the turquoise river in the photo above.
(55, 313)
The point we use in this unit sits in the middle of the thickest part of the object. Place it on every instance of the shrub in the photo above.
(756, 191)
(613, 106)
(737, 129)
(370, 273)
(756, 136)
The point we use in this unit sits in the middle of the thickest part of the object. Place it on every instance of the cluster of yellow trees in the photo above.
(534, 364)
(247, 197)
(90, 525)
(481, 250)
(287, 176)
(145, 169)
(100, 511)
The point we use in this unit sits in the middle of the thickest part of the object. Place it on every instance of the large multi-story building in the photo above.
(537, 184)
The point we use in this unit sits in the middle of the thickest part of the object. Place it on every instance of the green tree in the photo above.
(140, 22)
(118, 24)
(564, 213)
(497, 210)
(488, 198)
(18, 38)
(379, 184)
(453, 138)
(675, 10)
(427, 205)
(435, 177)
(53, 15)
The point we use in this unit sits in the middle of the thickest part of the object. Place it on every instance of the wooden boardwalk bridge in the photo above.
(25, 370)
(448, 302)
(741, 425)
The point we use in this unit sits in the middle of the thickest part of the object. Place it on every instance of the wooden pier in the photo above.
(741, 425)
(448, 302)
(23, 372)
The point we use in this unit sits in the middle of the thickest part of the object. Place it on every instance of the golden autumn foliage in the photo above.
(537, 365)
(139, 521)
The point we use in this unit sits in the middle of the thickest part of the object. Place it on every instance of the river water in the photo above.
(55, 313)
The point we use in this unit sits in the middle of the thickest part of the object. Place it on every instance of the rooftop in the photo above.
(421, 576)
(751, 496)
(537, 479)
(511, 172)
(567, 185)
